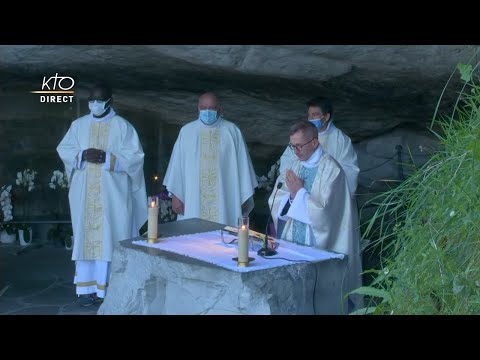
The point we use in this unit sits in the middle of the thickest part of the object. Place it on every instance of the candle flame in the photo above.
(153, 204)
(244, 227)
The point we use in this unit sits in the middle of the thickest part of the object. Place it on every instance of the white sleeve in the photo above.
(79, 164)
(299, 208)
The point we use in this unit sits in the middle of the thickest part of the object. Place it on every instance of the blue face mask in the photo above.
(97, 107)
(208, 117)
(317, 122)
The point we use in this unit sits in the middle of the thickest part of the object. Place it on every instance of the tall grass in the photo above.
(428, 227)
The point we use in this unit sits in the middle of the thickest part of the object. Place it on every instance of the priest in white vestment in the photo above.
(333, 141)
(103, 158)
(210, 174)
(316, 204)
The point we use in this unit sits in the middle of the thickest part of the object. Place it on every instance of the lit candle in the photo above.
(243, 242)
(153, 221)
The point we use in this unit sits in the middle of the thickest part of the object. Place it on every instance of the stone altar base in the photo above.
(151, 281)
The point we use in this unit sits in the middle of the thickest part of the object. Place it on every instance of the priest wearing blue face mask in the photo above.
(210, 173)
(333, 141)
(103, 158)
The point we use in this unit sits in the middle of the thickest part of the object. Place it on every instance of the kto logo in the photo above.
(59, 85)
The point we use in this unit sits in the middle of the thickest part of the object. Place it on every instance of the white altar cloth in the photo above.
(209, 247)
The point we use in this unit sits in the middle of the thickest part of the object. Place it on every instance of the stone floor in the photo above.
(37, 280)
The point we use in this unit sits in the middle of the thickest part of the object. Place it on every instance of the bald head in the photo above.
(208, 101)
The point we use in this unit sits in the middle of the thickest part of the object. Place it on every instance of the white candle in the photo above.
(243, 244)
(153, 222)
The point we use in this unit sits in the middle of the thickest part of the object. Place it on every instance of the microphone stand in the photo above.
(265, 251)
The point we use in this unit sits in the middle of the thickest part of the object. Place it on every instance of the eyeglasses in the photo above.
(299, 147)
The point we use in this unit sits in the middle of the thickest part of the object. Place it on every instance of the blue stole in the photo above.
(300, 228)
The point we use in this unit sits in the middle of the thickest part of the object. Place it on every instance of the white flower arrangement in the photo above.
(267, 182)
(59, 179)
(166, 212)
(6, 203)
(26, 179)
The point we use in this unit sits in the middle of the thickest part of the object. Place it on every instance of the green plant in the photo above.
(9, 228)
(427, 228)
(60, 233)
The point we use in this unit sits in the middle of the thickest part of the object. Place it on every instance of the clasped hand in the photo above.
(94, 156)
(177, 205)
(294, 183)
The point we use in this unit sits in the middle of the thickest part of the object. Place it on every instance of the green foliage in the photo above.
(8, 227)
(60, 233)
(428, 227)
(466, 72)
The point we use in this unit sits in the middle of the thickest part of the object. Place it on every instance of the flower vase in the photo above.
(7, 238)
(22, 234)
(69, 246)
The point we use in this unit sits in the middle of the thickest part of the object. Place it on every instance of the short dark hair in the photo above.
(323, 103)
(102, 86)
(306, 127)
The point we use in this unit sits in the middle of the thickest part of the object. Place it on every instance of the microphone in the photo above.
(265, 251)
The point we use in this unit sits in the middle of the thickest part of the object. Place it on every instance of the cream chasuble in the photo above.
(211, 172)
(322, 213)
(108, 201)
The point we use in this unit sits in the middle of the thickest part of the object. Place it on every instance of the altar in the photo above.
(191, 271)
